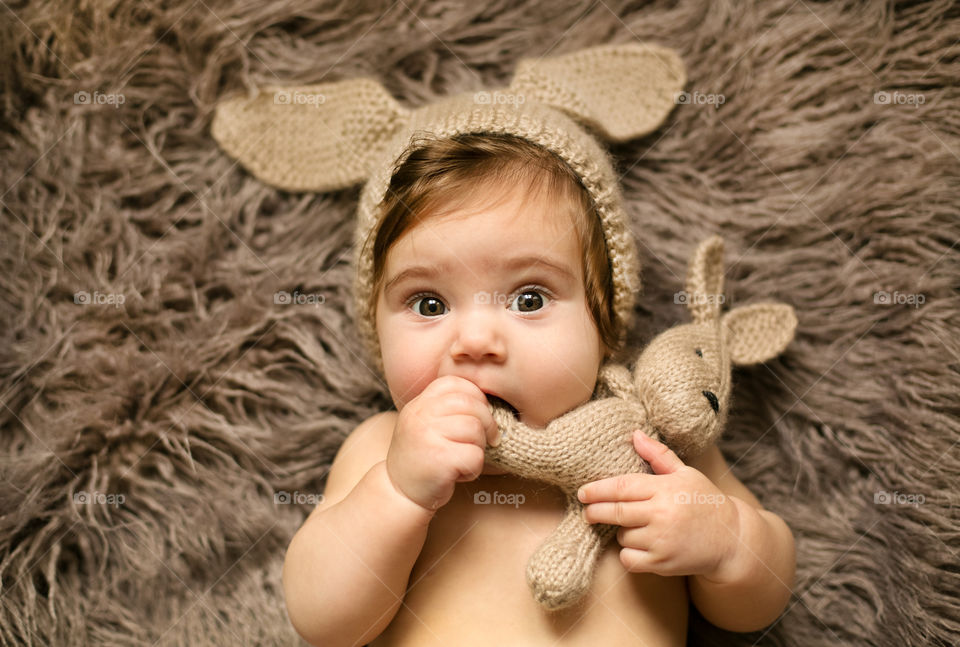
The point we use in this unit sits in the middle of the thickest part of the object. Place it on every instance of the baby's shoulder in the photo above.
(366, 446)
(372, 436)
(368, 443)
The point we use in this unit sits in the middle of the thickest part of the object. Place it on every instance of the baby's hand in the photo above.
(439, 440)
(674, 522)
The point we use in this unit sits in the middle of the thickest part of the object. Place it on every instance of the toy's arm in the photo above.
(530, 452)
(589, 443)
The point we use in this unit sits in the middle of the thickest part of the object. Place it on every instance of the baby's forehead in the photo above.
(536, 196)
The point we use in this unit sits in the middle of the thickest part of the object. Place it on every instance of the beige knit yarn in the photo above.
(679, 392)
(334, 135)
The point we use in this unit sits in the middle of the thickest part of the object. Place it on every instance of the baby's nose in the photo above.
(478, 336)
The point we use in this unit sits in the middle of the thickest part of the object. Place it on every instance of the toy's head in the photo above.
(683, 375)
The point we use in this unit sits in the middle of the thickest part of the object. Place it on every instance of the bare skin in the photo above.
(467, 583)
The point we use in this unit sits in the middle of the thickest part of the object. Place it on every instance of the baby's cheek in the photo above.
(570, 368)
(407, 374)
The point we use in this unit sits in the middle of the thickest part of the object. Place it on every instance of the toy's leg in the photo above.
(561, 569)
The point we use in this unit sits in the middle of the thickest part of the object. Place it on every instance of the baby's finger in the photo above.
(618, 513)
(637, 561)
(626, 487)
(467, 405)
(490, 428)
(464, 428)
(468, 460)
(661, 458)
(636, 538)
(463, 397)
(475, 403)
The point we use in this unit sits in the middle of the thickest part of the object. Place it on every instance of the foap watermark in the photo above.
(685, 298)
(884, 298)
(897, 98)
(298, 298)
(498, 498)
(699, 498)
(98, 498)
(296, 498)
(97, 98)
(699, 99)
(484, 298)
(882, 497)
(295, 97)
(497, 97)
(84, 298)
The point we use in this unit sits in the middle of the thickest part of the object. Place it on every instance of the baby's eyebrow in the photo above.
(531, 261)
(413, 272)
(512, 264)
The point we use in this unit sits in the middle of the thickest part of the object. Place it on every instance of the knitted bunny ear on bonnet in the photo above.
(331, 136)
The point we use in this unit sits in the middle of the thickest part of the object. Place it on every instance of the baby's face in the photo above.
(495, 295)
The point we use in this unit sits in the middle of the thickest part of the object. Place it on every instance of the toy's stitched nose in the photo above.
(712, 399)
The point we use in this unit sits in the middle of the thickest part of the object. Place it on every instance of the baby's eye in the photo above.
(428, 306)
(528, 301)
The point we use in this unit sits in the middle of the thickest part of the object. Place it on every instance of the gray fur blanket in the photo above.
(165, 426)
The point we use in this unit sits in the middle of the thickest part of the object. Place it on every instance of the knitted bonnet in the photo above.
(335, 135)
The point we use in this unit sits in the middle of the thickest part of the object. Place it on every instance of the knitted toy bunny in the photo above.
(679, 392)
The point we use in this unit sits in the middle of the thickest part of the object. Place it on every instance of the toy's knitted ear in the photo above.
(622, 91)
(758, 332)
(705, 281)
(310, 138)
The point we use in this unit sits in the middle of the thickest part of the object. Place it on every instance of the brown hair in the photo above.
(439, 173)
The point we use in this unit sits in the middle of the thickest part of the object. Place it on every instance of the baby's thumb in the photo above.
(661, 458)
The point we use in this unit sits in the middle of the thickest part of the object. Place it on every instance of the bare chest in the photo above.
(468, 586)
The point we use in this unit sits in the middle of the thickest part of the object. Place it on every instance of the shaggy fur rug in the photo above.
(166, 426)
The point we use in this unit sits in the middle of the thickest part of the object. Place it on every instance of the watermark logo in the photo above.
(296, 498)
(98, 498)
(699, 498)
(84, 98)
(699, 99)
(897, 98)
(697, 298)
(882, 497)
(298, 298)
(84, 298)
(484, 298)
(295, 97)
(498, 498)
(502, 98)
(884, 298)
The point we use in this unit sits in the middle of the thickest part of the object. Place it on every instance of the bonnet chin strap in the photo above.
(325, 136)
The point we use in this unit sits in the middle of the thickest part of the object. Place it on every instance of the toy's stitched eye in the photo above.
(712, 399)
(698, 352)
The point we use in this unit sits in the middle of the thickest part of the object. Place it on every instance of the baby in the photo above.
(494, 270)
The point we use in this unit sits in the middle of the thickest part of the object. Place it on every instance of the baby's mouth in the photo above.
(500, 402)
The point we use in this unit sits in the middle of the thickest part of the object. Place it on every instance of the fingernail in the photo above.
(496, 440)
(580, 494)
